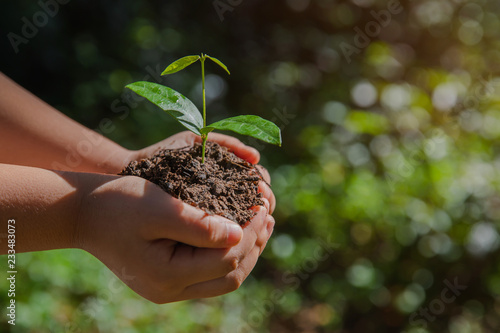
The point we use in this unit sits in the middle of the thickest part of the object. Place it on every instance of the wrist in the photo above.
(83, 182)
(88, 210)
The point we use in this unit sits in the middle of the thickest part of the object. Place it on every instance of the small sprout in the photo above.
(180, 64)
(182, 109)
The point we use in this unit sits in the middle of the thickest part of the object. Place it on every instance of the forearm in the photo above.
(44, 204)
(32, 133)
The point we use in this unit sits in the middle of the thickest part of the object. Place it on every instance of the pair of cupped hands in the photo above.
(166, 250)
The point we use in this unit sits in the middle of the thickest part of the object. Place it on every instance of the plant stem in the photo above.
(204, 142)
(203, 136)
(203, 88)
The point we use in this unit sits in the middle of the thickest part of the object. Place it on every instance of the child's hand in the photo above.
(163, 249)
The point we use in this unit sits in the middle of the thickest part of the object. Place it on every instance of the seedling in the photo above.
(185, 112)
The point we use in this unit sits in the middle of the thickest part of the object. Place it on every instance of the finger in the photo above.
(180, 140)
(194, 265)
(226, 284)
(192, 226)
(258, 222)
(270, 228)
(241, 150)
(201, 264)
(255, 232)
(266, 203)
(271, 222)
(261, 230)
(265, 173)
(269, 195)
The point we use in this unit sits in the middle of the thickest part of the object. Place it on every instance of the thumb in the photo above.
(194, 227)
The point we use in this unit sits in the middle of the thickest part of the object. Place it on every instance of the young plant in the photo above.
(182, 109)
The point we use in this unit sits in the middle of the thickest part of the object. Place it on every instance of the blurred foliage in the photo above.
(387, 181)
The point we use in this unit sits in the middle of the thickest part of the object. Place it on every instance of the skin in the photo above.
(161, 248)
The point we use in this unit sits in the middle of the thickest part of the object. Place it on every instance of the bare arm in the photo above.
(44, 205)
(33, 133)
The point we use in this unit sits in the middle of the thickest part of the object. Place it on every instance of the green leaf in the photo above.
(169, 100)
(180, 64)
(253, 126)
(218, 62)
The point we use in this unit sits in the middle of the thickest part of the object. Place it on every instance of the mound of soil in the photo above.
(225, 184)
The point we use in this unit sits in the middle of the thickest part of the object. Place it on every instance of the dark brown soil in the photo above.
(225, 184)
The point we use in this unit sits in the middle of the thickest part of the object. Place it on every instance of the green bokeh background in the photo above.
(387, 181)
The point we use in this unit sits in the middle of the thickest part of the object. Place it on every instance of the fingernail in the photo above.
(234, 234)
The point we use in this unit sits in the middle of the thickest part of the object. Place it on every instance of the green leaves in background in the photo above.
(169, 100)
(180, 64)
(218, 62)
(366, 122)
(253, 126)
